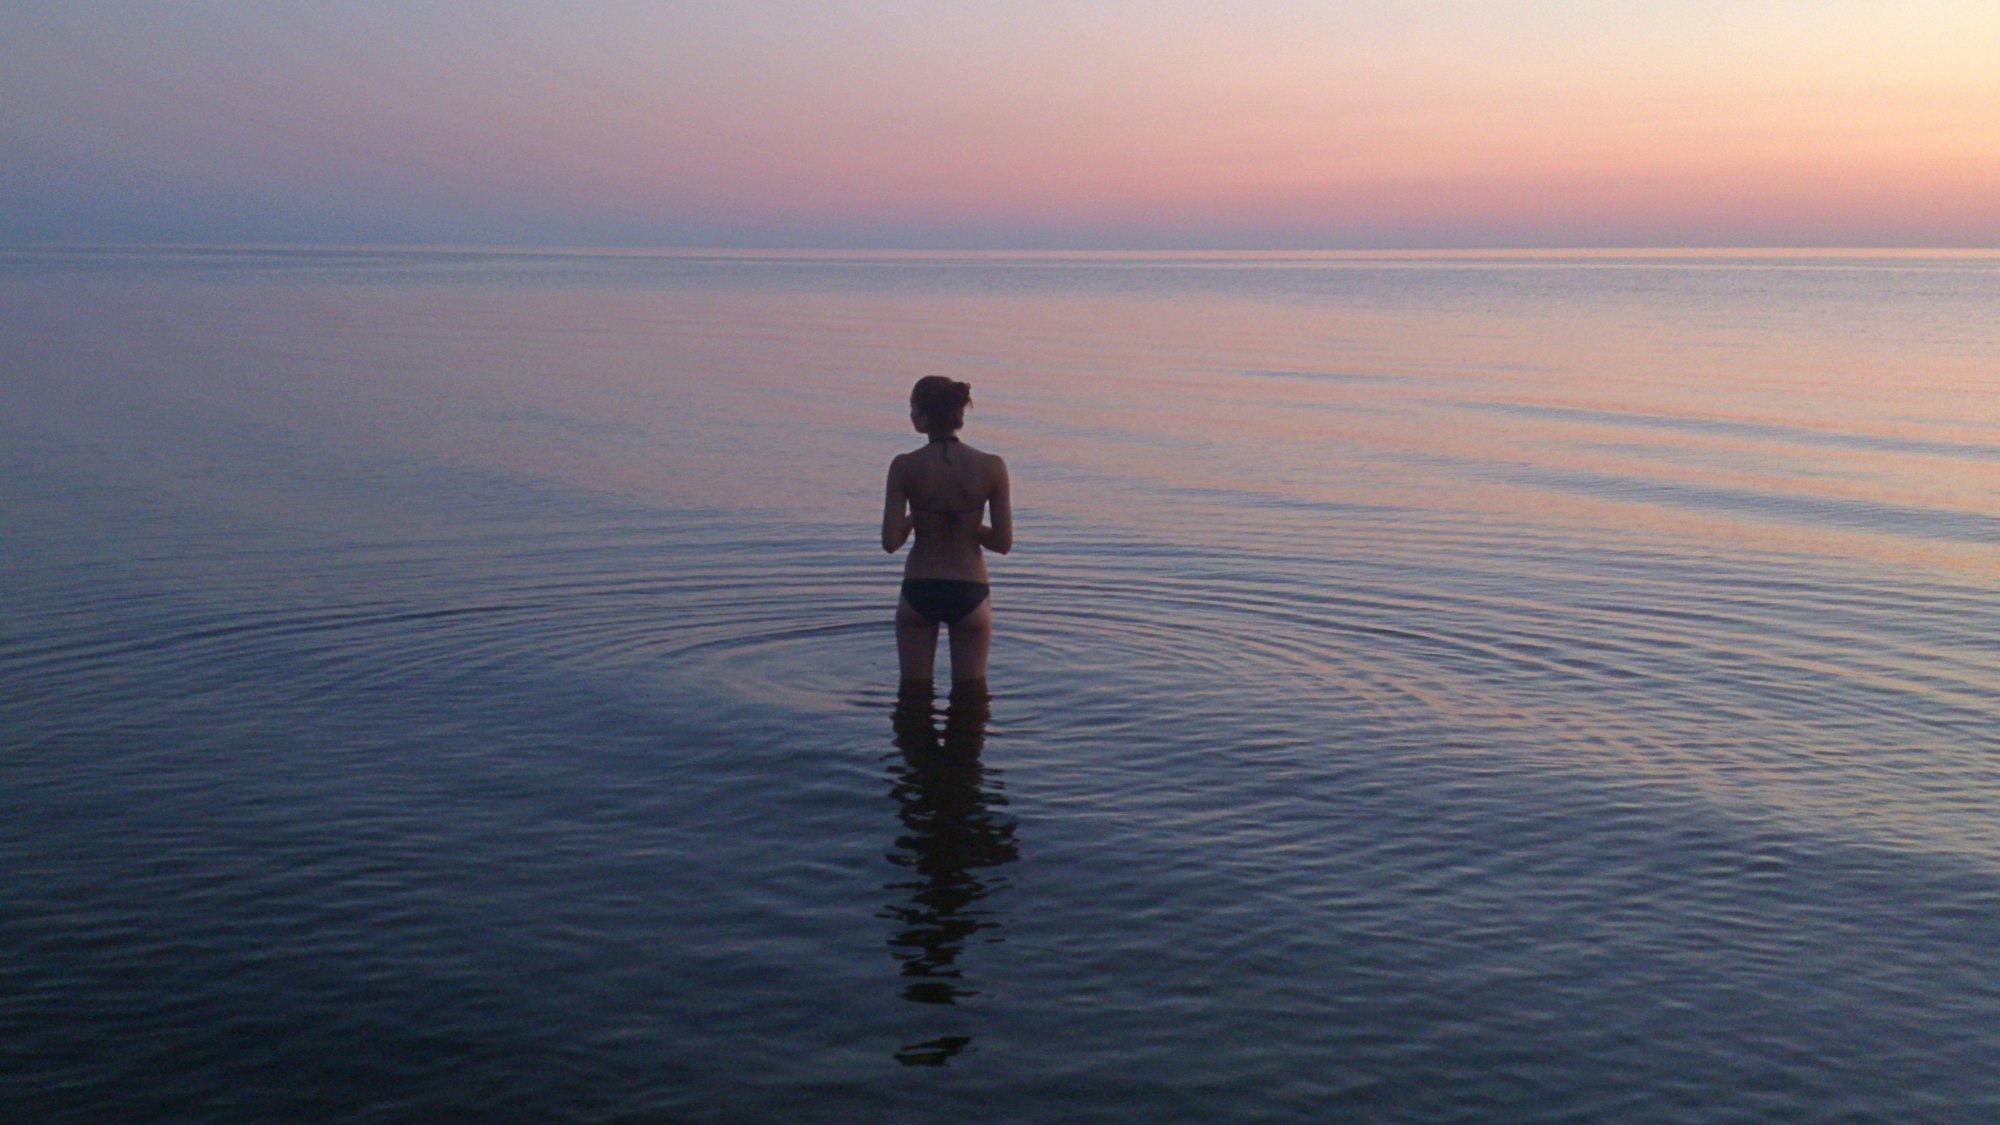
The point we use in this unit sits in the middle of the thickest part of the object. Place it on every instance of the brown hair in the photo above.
(941, 402)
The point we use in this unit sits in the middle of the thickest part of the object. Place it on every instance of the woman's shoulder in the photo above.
(991, 472)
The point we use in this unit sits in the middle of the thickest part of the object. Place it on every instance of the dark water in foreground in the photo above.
(446, 687)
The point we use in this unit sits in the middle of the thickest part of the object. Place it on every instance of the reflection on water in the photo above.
(953, 835)
(446, 688)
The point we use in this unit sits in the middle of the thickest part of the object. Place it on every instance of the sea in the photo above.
(449, 685)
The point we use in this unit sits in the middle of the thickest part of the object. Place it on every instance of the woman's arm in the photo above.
(895, 516)
(999, 536)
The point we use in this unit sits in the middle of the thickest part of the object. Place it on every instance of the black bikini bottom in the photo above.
(943, 601)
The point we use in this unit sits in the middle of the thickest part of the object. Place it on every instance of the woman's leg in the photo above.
(971, 637)
(916, 643)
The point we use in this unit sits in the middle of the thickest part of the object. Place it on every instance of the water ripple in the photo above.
(1339, 763)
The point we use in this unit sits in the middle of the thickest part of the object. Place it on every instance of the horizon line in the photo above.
(590, 250)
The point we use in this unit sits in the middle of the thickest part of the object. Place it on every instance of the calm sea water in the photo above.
(458, 687)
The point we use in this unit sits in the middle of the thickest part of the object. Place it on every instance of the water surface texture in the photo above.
(459, 687)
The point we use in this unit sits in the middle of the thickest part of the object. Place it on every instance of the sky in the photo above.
(1250, 124)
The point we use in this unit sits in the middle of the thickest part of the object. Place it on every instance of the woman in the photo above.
(940, 492)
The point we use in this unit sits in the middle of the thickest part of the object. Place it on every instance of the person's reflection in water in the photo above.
(953, 836)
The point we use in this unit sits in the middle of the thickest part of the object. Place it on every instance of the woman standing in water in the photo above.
(940, 492)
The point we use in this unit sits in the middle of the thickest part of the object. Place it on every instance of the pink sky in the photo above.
(1163, 124)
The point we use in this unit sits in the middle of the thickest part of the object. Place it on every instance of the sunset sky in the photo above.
(881, 123)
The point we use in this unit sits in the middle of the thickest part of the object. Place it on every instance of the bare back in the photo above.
(947, 488)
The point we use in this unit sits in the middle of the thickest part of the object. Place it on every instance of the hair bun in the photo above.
(942, 402)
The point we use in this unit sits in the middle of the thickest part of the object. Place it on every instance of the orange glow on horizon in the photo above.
(1838, 123)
